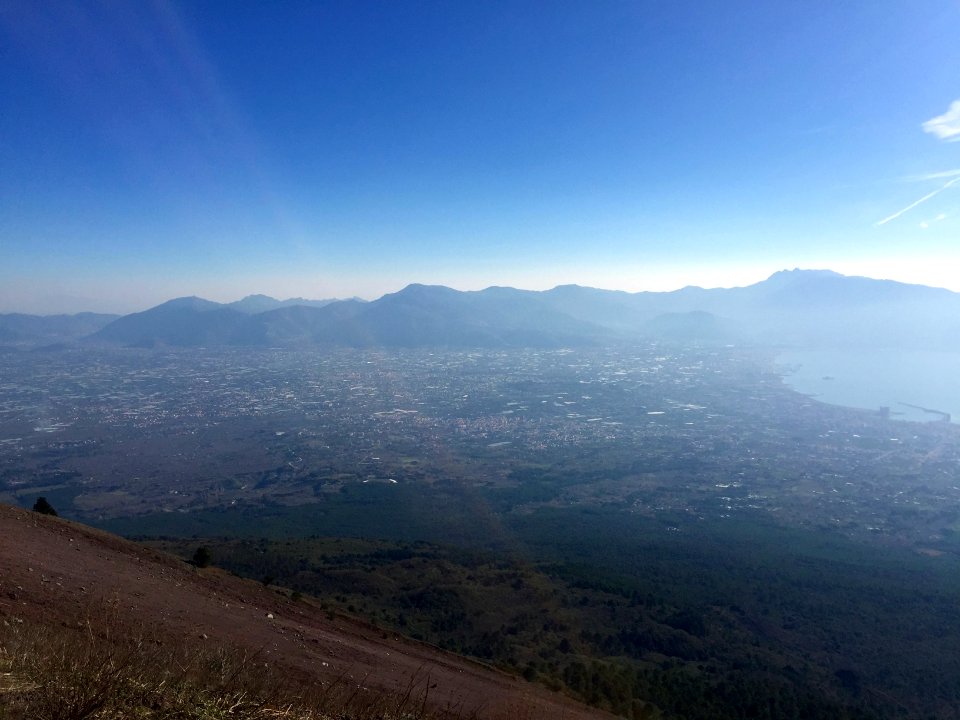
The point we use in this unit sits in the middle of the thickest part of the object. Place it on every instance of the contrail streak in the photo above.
(922, 200)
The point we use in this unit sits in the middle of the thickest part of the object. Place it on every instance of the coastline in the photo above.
(877, 381)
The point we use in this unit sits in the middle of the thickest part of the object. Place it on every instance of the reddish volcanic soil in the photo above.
(57, 573)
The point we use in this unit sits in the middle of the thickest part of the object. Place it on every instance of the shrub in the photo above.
(43, 507)
(202, 557)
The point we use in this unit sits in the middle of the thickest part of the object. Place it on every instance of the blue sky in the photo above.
(319, 149)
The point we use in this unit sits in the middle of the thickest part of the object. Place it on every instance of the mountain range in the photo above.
(799, 308)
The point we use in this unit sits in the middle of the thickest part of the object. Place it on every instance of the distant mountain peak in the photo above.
(419, 290)
(421, 287)
(191, 302)
(797, 273)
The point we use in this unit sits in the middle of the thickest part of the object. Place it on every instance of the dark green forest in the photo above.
(641, 616)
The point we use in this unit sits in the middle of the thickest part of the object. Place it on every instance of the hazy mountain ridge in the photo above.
(253, 304)
(31, 330)
(809, 308)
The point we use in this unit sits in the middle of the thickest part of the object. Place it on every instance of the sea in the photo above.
(916, 385)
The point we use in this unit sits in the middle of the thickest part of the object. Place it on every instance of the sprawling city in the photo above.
(709, 432)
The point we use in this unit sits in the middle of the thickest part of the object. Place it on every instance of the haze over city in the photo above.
(332, 150)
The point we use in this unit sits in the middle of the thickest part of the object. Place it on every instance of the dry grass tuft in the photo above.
(100, 672)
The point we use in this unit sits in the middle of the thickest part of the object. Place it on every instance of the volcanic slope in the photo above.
(60, 574)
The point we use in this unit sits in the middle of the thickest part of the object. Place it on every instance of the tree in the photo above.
(43, 507)
(202, 558)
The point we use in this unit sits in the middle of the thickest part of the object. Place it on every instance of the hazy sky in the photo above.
(156, 149)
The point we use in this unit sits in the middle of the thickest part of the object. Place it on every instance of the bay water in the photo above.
(910, 383)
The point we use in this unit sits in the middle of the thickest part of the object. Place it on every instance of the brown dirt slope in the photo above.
(57, 573)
